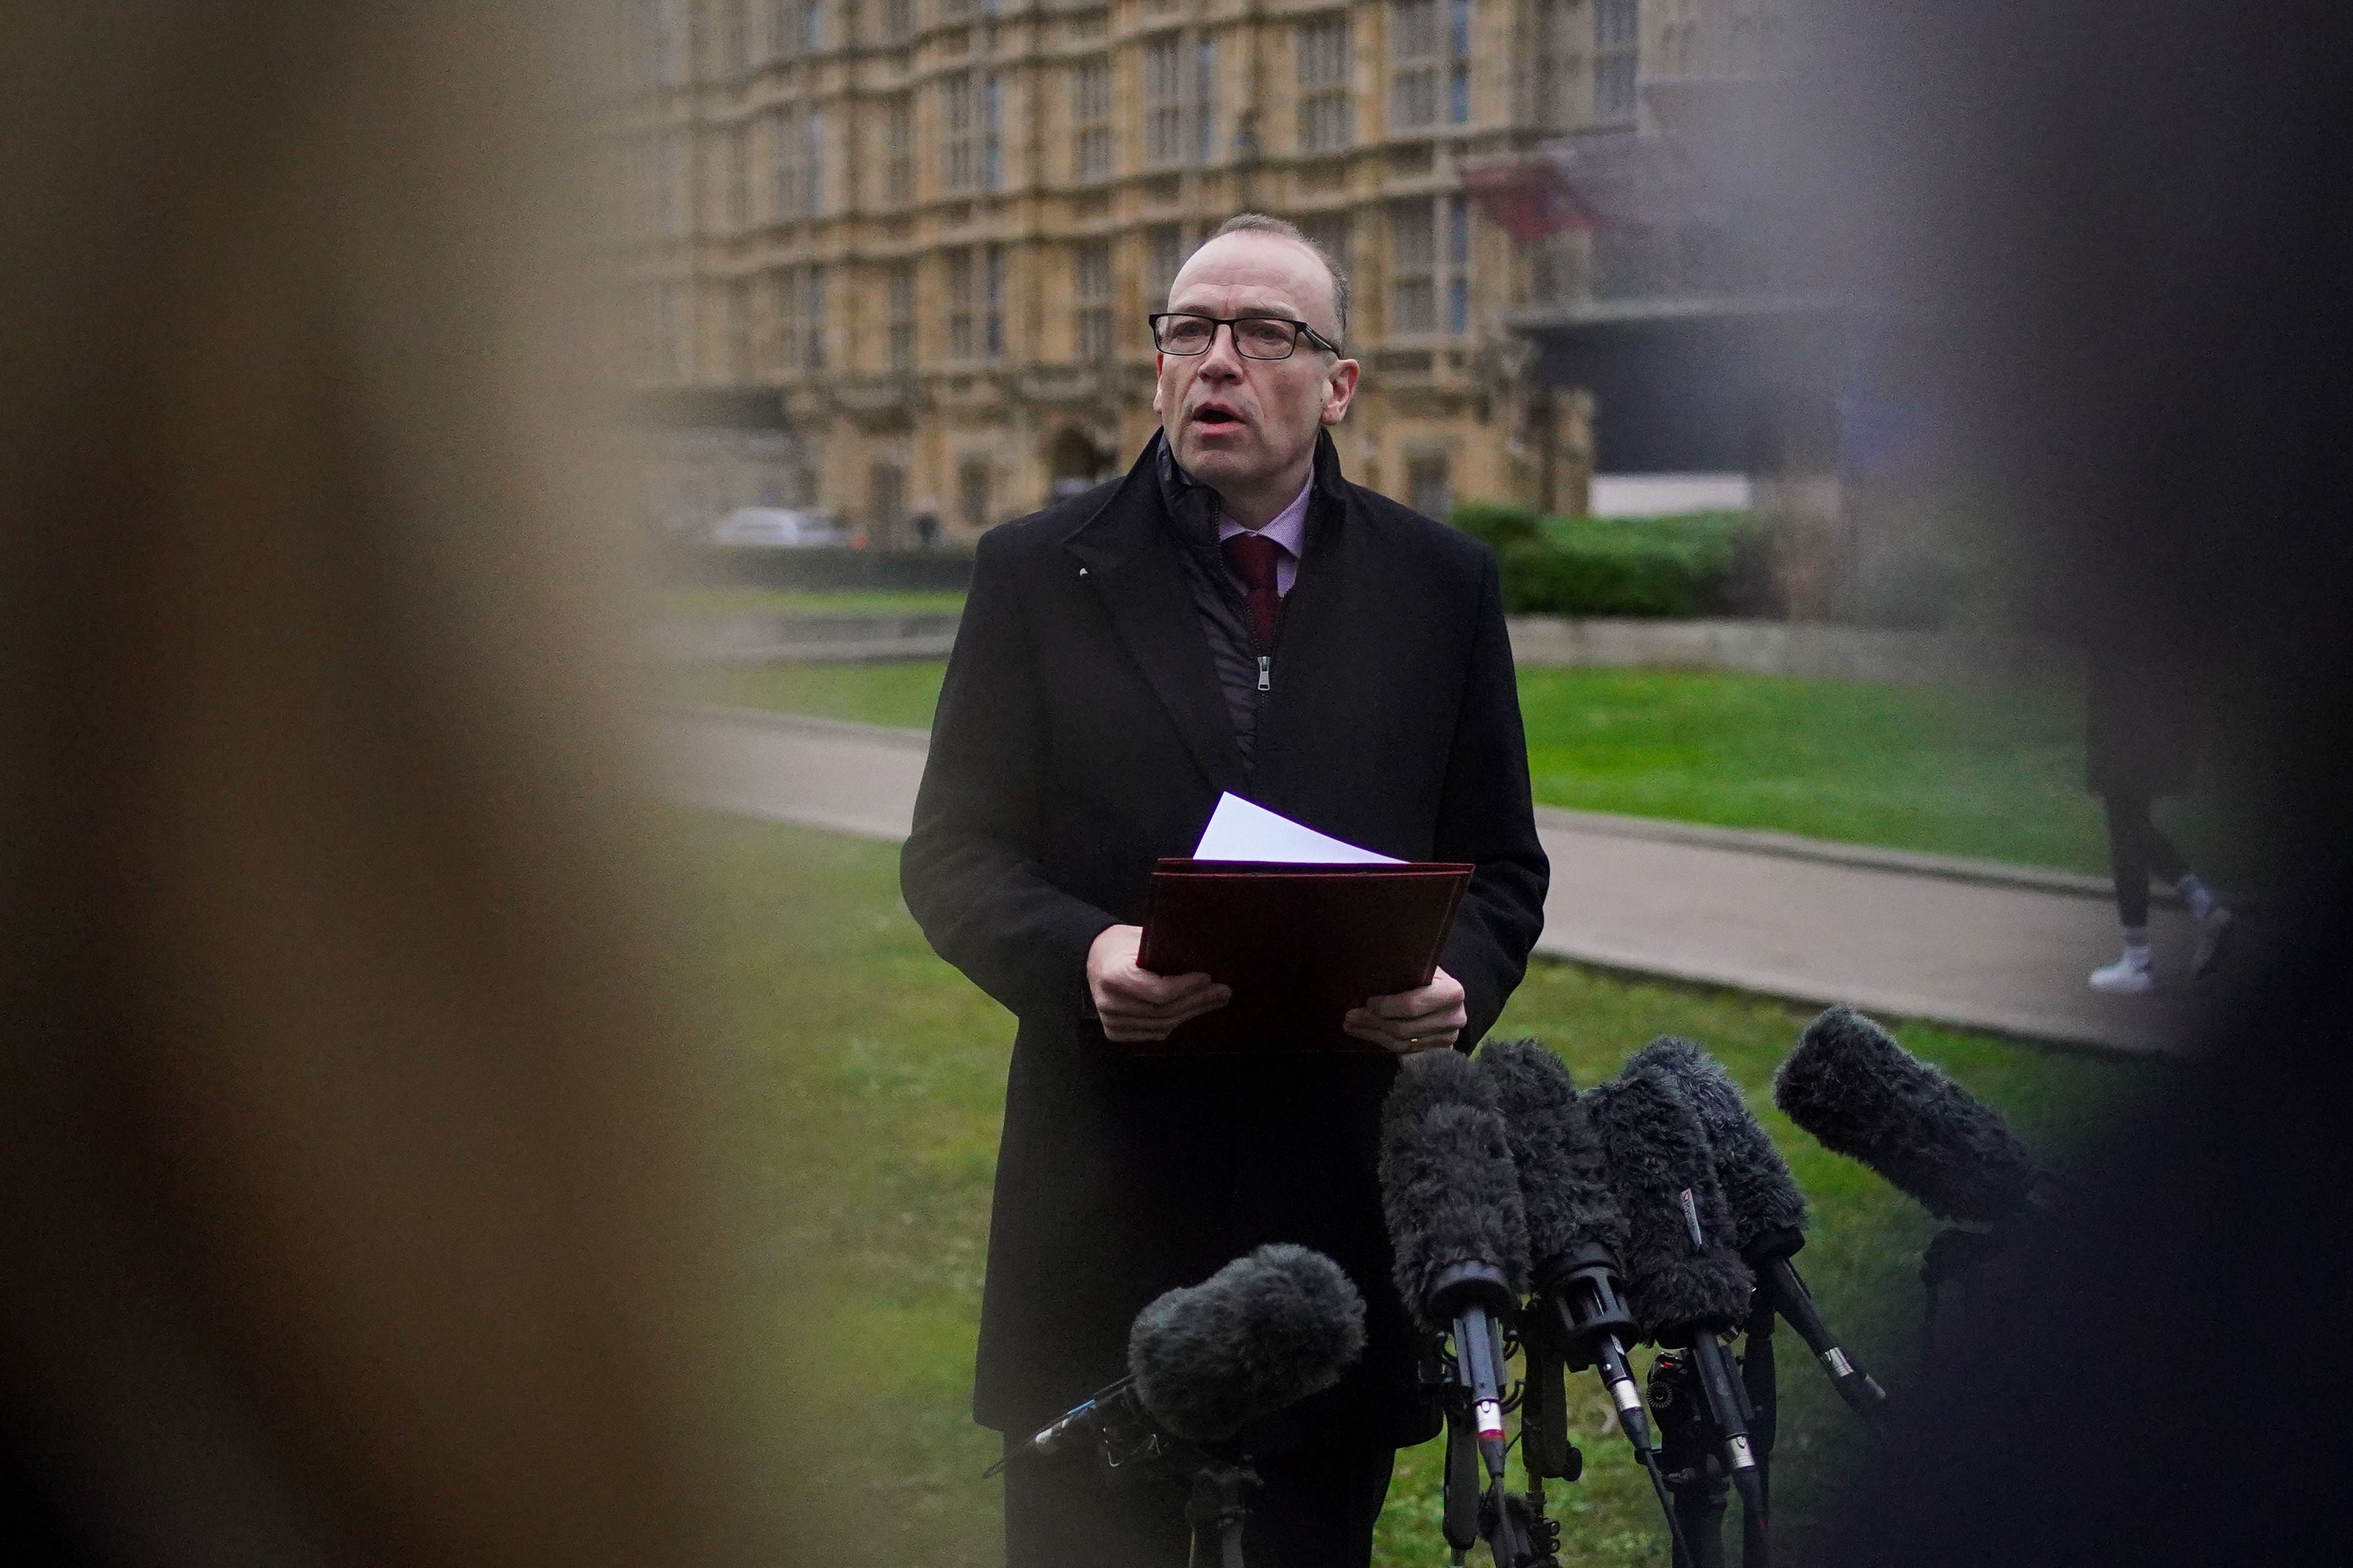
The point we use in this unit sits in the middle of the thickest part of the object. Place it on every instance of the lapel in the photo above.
(1131, 559)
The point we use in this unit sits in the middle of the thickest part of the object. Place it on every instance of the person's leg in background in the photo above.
(2213, 922)
(2130, 844)
(2136, 849)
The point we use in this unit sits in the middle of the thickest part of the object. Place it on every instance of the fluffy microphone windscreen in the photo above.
(1656, 1151)
(1564, 1181)
(1761, 1197)
(1867, 1098)
(1448, 1189)
(1264, 1331)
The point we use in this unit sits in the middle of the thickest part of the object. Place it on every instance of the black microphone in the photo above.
(1263, 1332)
(1685, 1284)
(1768, 1210)
(1575, 1230)
(1867, 1098)
(1205, 1360)
(1459, 1232)
(1655, 1151)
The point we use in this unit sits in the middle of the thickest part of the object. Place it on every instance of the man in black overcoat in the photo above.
(1232, 615)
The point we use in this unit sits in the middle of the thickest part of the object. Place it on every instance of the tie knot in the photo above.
(1252, 557)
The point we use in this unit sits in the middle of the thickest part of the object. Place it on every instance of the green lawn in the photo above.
(900, 694)
(1994, 773)
(856, 1117)
(1990, 773)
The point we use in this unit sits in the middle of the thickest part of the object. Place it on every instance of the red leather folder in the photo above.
(1300, 944)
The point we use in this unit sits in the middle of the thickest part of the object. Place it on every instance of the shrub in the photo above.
(1499, 524)
(1662, 567)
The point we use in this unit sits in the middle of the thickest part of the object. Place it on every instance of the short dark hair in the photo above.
(1282, 228)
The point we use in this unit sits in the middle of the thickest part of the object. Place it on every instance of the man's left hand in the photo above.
(1413, 1021)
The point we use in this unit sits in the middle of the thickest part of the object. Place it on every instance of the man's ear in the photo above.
(1340, 390)
(1156, 360)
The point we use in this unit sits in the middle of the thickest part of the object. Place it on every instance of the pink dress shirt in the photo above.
(1287, 528)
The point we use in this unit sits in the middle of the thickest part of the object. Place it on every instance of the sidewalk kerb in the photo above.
(842, 729)
(1826, 851)
(2033, 1029)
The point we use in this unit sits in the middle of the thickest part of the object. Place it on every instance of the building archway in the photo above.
(1074, 462)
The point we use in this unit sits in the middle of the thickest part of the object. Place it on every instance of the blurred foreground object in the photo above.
(2120, 237)
(346, 1213)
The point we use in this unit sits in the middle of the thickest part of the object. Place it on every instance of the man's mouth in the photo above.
(1216, 416)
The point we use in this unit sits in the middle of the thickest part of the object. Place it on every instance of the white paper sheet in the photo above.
(1240, 831)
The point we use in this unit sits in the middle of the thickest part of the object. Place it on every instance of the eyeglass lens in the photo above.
(1256, 337)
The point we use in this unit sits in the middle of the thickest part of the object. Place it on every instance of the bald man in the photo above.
(1233, 615)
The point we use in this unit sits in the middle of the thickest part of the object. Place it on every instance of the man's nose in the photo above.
(1223, 360)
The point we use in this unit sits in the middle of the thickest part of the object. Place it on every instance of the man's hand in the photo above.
(1135, 1003)
(1413, 1021)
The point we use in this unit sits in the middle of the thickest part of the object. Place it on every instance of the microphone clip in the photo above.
(1461, 1286)
(1583, 1306)
(1954, 1268)
(1126, 1440)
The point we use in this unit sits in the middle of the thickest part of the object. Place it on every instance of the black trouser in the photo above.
(1316, 1511)
(2135, 848)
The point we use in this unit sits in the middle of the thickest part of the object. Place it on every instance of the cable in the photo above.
(1680, 1549)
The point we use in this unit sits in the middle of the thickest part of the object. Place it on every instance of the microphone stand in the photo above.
(1687, 1453)
(1546, 1452)
(1219, 1503)
(1475, 1296)
(1460, 1519)
(1958, 1257)
(1760, 1389)
(1579, 1313)
(1727, 1411)
(1704, 1415)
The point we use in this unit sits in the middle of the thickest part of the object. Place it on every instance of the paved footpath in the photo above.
(1964, 942)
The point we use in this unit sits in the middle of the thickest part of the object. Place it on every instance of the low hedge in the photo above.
(1655, 566)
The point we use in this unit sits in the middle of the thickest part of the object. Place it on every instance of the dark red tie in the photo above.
(1252, 558)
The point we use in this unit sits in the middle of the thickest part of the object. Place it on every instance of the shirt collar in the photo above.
(1287, 528)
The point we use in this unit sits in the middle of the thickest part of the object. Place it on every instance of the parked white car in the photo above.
(779, 528)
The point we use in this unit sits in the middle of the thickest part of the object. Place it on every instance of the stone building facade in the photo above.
(933, 228)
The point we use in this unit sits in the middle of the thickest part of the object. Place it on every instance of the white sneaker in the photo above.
(2127, 976)
(2214, 934)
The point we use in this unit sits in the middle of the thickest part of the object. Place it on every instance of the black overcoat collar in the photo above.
(1128, 549)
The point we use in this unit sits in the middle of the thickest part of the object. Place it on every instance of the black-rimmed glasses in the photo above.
(1255, 337)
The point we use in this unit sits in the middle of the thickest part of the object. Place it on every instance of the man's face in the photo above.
(1237, 422)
